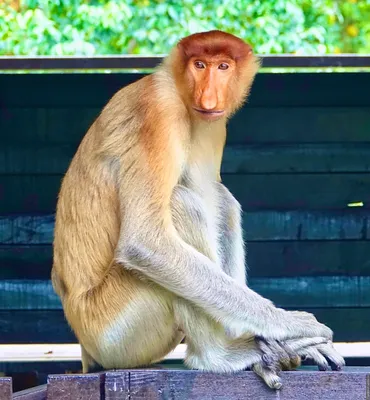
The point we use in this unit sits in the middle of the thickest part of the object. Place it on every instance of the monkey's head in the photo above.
(214, 72)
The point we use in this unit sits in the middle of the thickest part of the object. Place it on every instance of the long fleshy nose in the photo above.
(208, 100)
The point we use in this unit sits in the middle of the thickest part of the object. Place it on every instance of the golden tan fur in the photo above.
(142, 254)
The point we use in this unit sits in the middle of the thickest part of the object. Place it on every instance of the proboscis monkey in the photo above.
(148, 242)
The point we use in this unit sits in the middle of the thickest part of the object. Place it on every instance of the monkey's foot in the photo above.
(279, 356)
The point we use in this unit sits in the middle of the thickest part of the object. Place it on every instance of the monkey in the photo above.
(148, 246)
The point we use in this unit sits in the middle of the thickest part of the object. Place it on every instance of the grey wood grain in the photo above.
(117, 385)
(186, 385)
(5, 388)
(75, 387)
(35, 393)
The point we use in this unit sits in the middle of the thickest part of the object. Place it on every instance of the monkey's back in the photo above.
(87, 221)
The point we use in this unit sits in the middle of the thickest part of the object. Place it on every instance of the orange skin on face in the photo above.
(211, 78)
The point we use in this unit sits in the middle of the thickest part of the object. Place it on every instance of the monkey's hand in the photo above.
(279, 356)
(296, 325)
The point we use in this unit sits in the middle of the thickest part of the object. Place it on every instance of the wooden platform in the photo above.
(351, 384)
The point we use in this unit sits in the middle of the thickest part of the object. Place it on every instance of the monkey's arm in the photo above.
(150, 244)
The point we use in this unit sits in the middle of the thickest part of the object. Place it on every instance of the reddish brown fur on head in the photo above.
(214, 71)
(213, 43)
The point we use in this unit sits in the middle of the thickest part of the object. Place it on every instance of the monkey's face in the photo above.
(210, 80)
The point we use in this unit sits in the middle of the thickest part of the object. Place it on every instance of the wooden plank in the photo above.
(26, 262)
(131, 61)
(265, 259)
(28, 295)
(269, 89)
(41, 326)
(43, 367)
(38, 193)
(45, 125)
(251, 125)
(300, 225)
(5, 388)
(299, 191)
(50, 158)
(50, 326)
(296, 158)
(35, 393)
(71, 353)
(117, 386)
(76, 387)
(326, 291)
(308, 258)
(299, 124)
(258, 225)
(186, 385)
(27, 229)
(31, 193)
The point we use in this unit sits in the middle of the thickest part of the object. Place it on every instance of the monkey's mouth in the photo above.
(210, 113)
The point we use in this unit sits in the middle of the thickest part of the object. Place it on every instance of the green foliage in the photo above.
(72, 27)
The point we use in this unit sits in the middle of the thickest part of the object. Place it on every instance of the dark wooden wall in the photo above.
(296, 156)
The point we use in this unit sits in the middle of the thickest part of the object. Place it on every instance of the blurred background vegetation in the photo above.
(96, 27)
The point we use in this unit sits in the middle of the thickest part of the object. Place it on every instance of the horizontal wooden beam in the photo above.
(65, 352)
(149, 62)
(292, 259)
(295, 292)
(350, 324)
(352, 383)
(348, 224)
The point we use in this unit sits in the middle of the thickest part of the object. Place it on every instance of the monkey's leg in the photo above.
(278, 355)
(130, 325)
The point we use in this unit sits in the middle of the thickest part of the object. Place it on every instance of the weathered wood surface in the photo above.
(258, 226)
(277, 158)
(49, 326)
(35, 393)
(35, 326)
(251, 125)
(151, 384)
(325, 291)
(75, 387)
(186, 385)
(38, 193)
(5, 388)
(94, 90)
(272, 259)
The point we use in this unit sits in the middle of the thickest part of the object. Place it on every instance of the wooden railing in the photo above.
(145, 62)
(351, 384)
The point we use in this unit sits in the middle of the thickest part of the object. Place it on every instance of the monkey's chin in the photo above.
(209, 115)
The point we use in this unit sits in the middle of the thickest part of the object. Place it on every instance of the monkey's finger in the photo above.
(277, 355)
(271, 379)
(293, 357)
(335, 359)
(301, 343)
(314, 354)
(269, 356)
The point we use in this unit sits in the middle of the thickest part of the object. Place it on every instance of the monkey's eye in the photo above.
(223, 66)
(199, 65)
